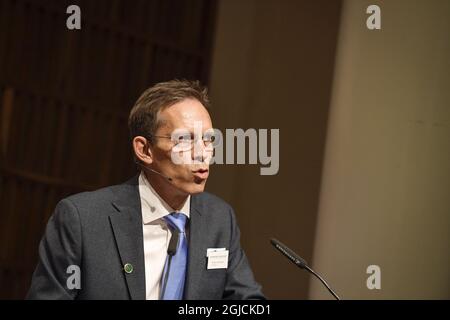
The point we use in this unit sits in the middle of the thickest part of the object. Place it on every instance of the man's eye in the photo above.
(184, 138)
(209, 138)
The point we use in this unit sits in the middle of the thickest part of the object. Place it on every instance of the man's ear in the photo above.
(142, 152)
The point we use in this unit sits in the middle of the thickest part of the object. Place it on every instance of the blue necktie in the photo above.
(175, 269)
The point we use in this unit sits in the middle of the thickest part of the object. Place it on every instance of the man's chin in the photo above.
(195, 187)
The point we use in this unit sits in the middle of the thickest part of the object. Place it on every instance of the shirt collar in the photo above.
(153, 206)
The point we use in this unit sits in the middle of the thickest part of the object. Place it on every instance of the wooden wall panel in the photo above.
(65, 97)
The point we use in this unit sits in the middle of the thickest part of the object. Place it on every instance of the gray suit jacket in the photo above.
(101, 231)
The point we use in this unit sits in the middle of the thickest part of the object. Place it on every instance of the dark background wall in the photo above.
(64, 100)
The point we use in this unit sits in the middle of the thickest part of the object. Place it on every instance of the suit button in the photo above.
(128, 268)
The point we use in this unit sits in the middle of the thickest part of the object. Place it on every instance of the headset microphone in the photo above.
(154, 171)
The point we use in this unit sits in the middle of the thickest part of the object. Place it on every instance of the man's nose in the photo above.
(198, 151)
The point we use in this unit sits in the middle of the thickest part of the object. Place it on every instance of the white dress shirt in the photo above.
(156, 235)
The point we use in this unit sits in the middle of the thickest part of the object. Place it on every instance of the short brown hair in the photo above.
(143, 116)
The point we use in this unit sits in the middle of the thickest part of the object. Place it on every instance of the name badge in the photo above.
(217, 258)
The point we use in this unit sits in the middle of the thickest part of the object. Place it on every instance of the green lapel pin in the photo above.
(128, 267)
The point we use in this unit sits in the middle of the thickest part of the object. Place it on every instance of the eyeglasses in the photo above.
(186, 141)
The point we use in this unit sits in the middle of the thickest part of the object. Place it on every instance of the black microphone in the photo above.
(154, 171)
(173, 243)
(298, 261)
(171, 250)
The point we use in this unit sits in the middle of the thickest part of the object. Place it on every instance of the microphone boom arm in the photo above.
(323, 281)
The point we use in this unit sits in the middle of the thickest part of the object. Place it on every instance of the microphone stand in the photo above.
(323, 281)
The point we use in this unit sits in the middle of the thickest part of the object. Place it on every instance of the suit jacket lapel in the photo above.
(127, 228)
(196, 256)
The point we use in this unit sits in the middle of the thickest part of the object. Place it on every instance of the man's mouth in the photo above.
(201, 173)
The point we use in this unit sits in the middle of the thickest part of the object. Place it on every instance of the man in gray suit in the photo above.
(157, 236)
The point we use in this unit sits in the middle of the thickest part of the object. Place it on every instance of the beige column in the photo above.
(385, 194)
